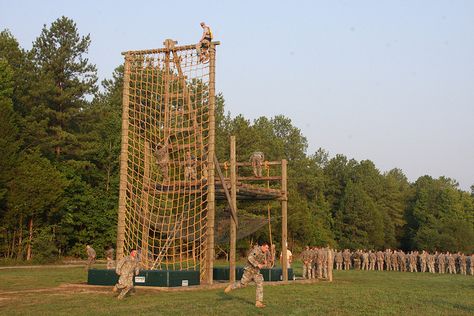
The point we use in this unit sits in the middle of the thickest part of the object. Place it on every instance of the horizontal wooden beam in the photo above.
(249, 164)
(163, 50)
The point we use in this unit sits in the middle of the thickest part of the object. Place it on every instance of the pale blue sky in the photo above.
(389, 81)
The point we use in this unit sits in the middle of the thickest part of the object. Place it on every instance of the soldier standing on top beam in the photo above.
(202, 47)
(257, 158)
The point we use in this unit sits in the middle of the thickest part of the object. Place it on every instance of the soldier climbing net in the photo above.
(167, 145)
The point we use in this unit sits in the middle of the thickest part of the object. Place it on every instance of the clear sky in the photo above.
(389, 81)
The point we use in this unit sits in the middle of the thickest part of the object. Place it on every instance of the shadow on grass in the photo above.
(229, 297)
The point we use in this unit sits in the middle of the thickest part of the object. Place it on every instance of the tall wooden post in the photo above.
(233, 195)
(284, 220)
(211, 205)
(123, 161)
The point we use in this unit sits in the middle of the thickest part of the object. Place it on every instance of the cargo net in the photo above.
(168, 136)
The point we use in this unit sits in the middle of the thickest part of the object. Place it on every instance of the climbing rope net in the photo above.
(167, 137)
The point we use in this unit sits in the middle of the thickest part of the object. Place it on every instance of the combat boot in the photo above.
(228, 288)
(259, 304)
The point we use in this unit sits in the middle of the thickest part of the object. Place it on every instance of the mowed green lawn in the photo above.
(351, 293)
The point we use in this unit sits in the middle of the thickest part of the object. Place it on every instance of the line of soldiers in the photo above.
(91, 257)
(317, 262)
(397, 260)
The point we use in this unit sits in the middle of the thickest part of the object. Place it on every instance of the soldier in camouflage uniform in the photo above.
(91, 254)
(372, 260)
(255, 261)
(441, 262)
(306, 258)
(402, 261)
(451, 263)
(471, 265)
(338, 259)
(109, 255)
(462, 264)
(127, 268)
(394, 260)
(324, 262)
(365, 260)
(357, 260)
(346, 255)
(411, 261)
(431, 263)
(314, 264)
(388, 259)
(423, 261)
(379, 256)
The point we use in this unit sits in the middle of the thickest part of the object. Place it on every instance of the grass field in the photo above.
(29, 291)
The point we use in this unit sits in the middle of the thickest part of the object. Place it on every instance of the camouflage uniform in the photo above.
(314, 264)
(431, 263)
(441, 263)
(388, 259)
(126, 268)
(451, 263)
(346, 255)
(356, 260)
(394, 260)
(423, 261)
(339, 259)
(462, 264)
(471, 265)
(306, 258)
(323, 256)
(255, 258)
(413, 258)
(402, 261)
(90, 256)
(372, 260)
(379, 256)
(365, 261)
(109, 254)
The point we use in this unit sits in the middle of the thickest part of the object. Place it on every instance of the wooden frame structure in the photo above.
(146, 185)
(240, 190)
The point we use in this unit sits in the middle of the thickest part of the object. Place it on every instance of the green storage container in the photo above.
(102, 277)
(162, 278)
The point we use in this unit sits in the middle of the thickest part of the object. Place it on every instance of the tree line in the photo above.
(59, 167)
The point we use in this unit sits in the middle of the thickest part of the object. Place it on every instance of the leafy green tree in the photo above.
(35, 191)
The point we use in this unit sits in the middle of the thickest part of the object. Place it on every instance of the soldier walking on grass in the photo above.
(255, 261)
(127, 268)
(91, 254)
(109, 255)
